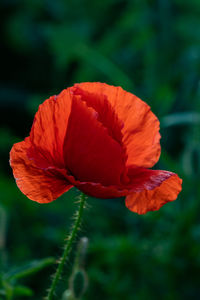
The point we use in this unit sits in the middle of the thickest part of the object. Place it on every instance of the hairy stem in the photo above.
(67, 247)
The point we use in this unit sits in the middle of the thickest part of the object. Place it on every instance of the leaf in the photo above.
(2, 292)
(181, 118)
(29, 269)
(21, 290)
(91, 56)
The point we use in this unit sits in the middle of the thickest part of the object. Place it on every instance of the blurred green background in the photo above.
(150, 48)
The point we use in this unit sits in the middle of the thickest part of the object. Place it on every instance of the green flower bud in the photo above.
(78, 283)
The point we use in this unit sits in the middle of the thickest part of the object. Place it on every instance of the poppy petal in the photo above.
(140, 179)
(145, 179)
(91, 154)
(150, 200)
(49, 129)
(98, 190)
(141, 135)
(106, 113)
(41, 185)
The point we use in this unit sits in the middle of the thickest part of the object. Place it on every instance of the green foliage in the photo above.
(9, 286)
(151, 48)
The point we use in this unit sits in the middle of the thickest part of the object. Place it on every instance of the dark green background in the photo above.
(150, 48)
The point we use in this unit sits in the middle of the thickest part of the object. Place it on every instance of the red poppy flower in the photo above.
(99, 138)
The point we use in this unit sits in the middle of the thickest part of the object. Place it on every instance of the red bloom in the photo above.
(100, 139)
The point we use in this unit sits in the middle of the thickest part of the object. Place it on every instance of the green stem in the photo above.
(67, 247)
